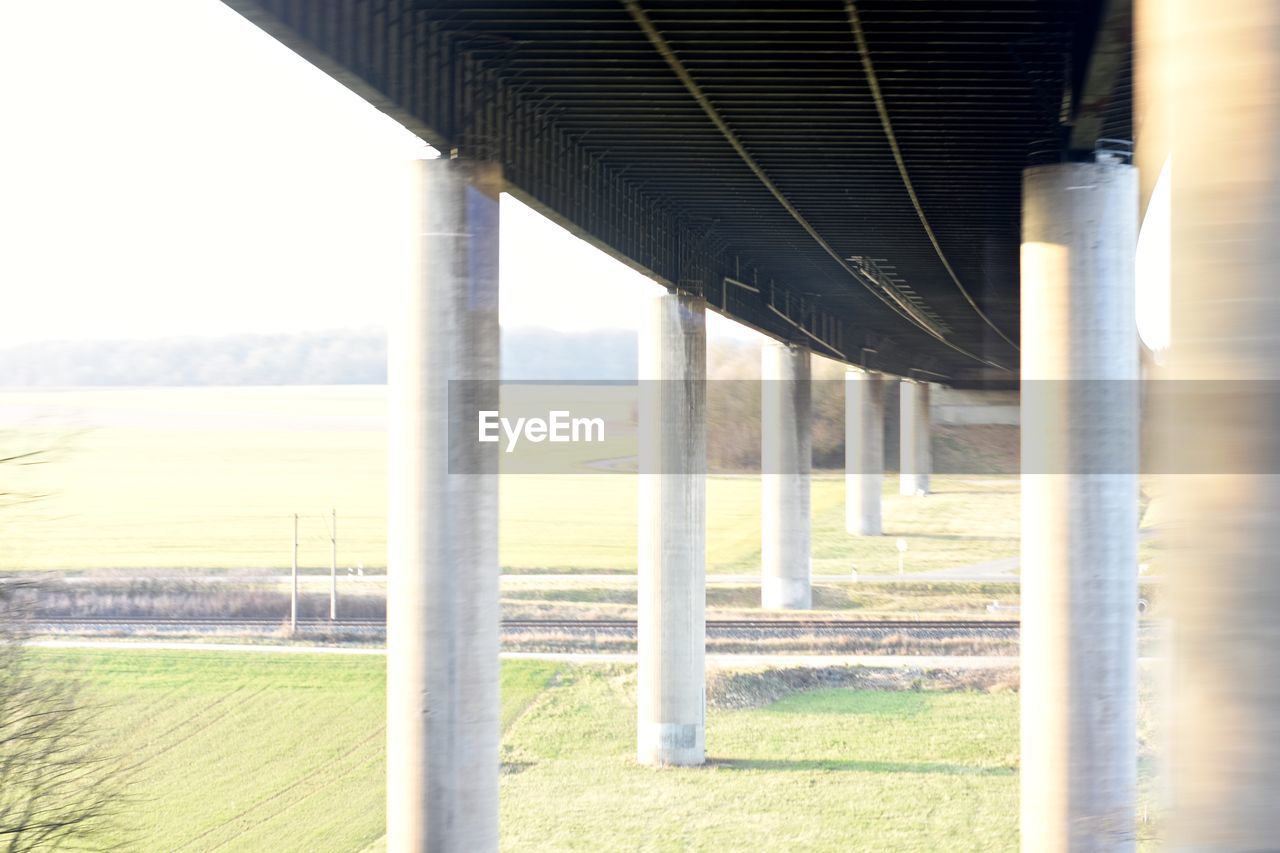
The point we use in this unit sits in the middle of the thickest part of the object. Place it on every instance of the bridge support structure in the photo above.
(915, 437)
(1216, 73)
(786, 451)
(1079, 507)
(863, 451)
(671, 632)
(443, 722)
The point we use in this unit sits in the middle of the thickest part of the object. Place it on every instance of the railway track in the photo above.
(794, 624)
(618, 625)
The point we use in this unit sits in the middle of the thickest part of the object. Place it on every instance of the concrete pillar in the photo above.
(442, 537)
(786, 432)
(915, 436)
(1079, 507)
(1222, 64)
(863, 451)
(672, 598)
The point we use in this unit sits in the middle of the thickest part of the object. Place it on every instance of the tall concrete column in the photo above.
(786, 432)
(672, 598)
(863, 451)
(442, 537)
(1220, 71)
(915, 437)
(1079, 507)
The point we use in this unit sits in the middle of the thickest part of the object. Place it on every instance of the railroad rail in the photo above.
(543, 624)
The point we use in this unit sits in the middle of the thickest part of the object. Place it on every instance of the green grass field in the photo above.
(826, 770)
(254, 752)
(250, 752)
(209, 478)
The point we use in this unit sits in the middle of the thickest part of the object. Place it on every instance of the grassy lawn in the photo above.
(243, 751)
(826, 770)
(209, 478)
(253, 752)
(239, 750)
(964, 520)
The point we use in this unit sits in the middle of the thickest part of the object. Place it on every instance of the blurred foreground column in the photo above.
(442, 538)
(915, 454)
(863, 451)
(672, 582)
(1079, 507)
(1223, 114)
(786, 442)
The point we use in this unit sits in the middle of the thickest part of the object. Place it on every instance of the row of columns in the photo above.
(672, 574)
(786, 461)
(443, 598)
(1079, 546)
(864, 394)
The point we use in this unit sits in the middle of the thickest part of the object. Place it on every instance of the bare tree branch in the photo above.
(58, 789)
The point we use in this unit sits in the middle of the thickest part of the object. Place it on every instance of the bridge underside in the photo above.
(846, 175)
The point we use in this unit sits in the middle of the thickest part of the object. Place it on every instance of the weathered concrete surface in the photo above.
(442, 538)
(1079, 508)
(915, 438)
(786, 460)
(671, 591)
(1217, 91)
(863, 451)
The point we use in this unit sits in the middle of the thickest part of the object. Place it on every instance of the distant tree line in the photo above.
(312, 358)
(733, 408)
(347, 357)
(358, 357)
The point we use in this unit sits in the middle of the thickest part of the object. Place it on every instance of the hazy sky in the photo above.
(168, 169)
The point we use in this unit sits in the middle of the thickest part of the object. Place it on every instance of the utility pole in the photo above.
(333, 565)
(293, 599)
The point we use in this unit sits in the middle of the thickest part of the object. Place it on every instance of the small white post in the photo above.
(333, 565)
(293, 599)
